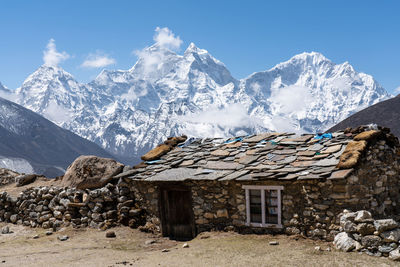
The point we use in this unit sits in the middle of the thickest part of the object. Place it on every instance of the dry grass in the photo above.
(90, 248)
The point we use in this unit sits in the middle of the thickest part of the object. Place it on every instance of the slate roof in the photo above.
(277, 156)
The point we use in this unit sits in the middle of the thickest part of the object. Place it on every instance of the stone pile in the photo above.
(53, 207)
(7, 176)
(360, 232)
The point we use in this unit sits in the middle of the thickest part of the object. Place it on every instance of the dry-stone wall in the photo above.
(52, 207)
(360, 232)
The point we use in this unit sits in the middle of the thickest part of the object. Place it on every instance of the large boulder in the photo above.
(385, 225)
(25, 179)
(90, 172)
(344, 241)
(163, 149)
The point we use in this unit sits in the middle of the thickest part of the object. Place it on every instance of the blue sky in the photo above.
(248, 36)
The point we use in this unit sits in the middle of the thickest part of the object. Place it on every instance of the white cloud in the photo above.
(288, 104)
(164, 37)
(290, 99)
(152, 59)
(9, 95)
(98, 60)
(397, 90)
(219, 122)
(234, 115)
(56, 113)
(255, 87)
(51, 56)
(132, 94)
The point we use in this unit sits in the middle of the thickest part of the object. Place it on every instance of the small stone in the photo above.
(14, 218)
(110, 234)
(365, 229)
(317, 248)
(385, 249)
(165, 250)
(49, 233)
(63, 238)
(273, 243)
(395, 255)
(186, 245)
(35, 237)
(391, 236)
(363, 216)
(371, 241)
(149, 242)
(5, 230)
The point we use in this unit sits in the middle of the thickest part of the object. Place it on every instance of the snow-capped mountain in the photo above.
(128, 112)
(31, 143)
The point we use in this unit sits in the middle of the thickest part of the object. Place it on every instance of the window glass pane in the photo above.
(255, 206)
(271, 206)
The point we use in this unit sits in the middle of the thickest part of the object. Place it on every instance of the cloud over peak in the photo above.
(164, 37)
(98, 60)
(51, 56)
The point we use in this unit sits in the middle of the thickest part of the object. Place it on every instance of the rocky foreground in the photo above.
(91, 194)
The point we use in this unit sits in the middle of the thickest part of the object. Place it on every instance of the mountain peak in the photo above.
(311, 57)
(192, 48)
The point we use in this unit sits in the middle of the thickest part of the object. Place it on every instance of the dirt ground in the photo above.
(90, 247)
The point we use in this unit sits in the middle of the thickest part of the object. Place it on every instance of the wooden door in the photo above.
(177, 214)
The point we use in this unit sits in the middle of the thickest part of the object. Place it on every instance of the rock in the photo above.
(222, 213)
(63, 238)
(395, 255)
(349, 227)
(358, 246)
(391, 236)
(157, 152)
(347, 216)
(90, 172)
(14, 218)
(49, 233)
(343, 241)
(25, 179)
(363, 216)
(386, 248)
(186, 245)
(165, 250)
(149, 242)
(110, 234)
(371, 241)
(385, 225)
(273, 243)
(365, 229)
(5, 230)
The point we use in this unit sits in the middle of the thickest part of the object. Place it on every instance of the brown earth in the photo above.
(90, 247)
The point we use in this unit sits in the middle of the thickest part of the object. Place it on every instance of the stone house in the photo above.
(271, 182)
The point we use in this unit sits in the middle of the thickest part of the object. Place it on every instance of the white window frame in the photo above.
(263, 188)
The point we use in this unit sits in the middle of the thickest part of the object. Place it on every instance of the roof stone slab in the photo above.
(277, 156)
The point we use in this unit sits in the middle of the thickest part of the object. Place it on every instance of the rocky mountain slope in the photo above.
(31, 143)
(385, 113)
(128, 112)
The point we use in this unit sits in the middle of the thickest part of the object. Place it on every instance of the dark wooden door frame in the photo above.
(163, 207)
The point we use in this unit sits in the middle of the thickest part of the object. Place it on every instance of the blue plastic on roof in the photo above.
(234, 140)
(152, 161)
(321, 136)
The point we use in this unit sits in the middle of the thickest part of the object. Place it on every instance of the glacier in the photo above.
(164, 94)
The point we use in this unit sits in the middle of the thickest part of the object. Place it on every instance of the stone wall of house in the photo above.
(54, 207)
(309, 207)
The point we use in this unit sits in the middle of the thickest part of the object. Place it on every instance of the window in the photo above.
(263, 205)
